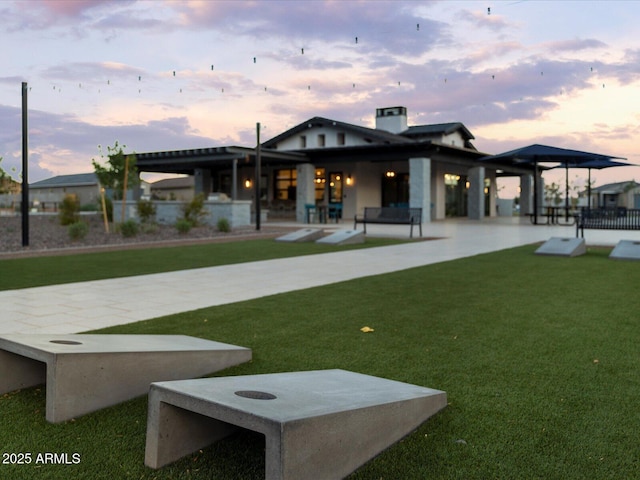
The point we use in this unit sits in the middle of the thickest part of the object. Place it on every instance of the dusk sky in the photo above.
(169, 75)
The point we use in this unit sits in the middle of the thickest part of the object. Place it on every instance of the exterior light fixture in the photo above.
(248, 183)
(390, 173)
(349, 180)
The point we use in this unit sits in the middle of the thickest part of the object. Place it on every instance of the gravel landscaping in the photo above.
(47, 236)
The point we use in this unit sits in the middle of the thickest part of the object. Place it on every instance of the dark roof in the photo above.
(437, 129)
(186, 161)
(618, 187)
(371, 134)
(60, 181)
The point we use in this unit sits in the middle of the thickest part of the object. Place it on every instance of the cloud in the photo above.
(378, 26)
(574, 45)
(66, 144)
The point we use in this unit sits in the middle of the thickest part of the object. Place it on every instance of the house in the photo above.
(84, 186)
(179, 188)
(347, 167)
(612, 195)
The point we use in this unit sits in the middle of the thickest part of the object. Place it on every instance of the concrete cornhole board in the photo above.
(343, 237)
(304, 235)
(626, 250)
(84, 373)
(317, 424)
(563, 247)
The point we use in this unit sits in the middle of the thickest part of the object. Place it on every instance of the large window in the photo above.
(285, 184)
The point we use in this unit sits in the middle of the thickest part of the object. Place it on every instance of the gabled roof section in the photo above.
(618, 187)
(370, 134)
(437, 129)
(169, 183)
(77, 180)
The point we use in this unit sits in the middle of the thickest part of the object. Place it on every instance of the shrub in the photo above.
(69, 210)
(183, 225)
(223, 225)
(150, 227)
(194, 210)
(146, 210)
(129, 228)
(78, 230)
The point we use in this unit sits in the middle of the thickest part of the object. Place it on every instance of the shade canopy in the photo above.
(536, 154)
(546, 154)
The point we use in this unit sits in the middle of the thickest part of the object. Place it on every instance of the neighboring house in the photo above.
(84, 186)
(611, 195)
(180, 188)
(349, 167)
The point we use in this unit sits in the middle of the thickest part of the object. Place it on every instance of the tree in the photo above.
(7, 184)
(111, 174)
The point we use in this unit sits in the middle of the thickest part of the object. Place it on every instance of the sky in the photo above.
(157, 75)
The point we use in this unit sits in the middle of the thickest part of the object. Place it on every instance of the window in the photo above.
(321, 140)
(340, 140)
(286, 181)
(303, 141)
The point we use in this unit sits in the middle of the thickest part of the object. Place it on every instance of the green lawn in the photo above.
(33, 272)
(538, 356)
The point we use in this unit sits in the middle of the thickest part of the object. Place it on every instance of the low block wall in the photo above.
(238, 212)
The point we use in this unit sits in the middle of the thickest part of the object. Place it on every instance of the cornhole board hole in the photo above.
(304, 235)
(626, 250)
(84, 373)
(563, 247)
(343, 237)
(317, 424)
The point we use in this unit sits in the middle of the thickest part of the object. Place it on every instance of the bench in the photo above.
(84, 373)
(316, 424)
(390, 215)
(620, 218)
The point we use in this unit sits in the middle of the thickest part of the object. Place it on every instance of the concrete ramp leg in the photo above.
(318, 424)
(563, 247)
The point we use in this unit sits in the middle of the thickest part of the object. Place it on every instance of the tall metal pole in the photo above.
(25, 169)
(258, 177)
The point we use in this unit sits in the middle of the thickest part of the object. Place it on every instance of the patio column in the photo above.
(526, 194)
(475, 199)
(305, 189)
(202, 181)
(420, 186)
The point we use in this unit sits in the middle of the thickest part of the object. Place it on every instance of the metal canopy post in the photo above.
(25, 169)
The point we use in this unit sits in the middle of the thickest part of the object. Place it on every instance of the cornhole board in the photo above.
(626, 250)
(563, 247)
(303, 235)
(84, 373)
(343, 237)
(317, 424)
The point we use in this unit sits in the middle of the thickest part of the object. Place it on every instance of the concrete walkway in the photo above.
(78, 307)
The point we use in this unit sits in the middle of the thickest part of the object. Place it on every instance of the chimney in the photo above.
(391, 119)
